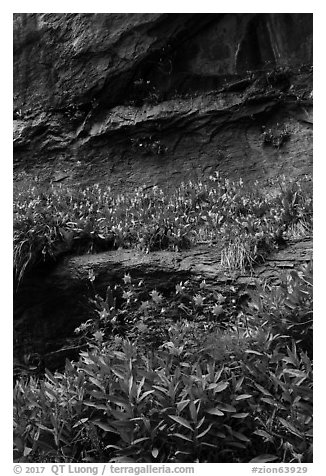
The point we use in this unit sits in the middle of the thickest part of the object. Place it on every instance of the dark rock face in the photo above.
(129, 99)
(133, 100)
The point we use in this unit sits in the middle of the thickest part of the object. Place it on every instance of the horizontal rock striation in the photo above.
(155, 99)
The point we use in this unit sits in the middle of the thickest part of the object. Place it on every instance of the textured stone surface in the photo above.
(163, 269)
(125, 99)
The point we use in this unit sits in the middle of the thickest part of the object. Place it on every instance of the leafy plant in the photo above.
(247, 223)
(216, 385)
(276, 137)
(289, 307)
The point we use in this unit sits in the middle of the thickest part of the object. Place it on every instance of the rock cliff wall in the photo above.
(130, 99)
(152, 99)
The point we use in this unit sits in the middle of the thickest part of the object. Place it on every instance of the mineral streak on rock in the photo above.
(125, 99)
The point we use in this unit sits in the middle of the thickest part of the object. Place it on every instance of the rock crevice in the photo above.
(91, 89)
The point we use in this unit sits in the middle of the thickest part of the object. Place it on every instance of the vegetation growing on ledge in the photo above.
(184, 379)
(247, 222)
(276, 137)
(192, 376)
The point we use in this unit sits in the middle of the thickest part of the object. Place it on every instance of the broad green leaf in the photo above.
(239, 415)
(122, 415)
(145, 394)
(193, 411)
(122, 459)
(295, 373)
(270, 401)
(209, 445)
(239, 383)
(215, 411)
(183, 437)
(289, 360)
(240, 436)
(225, 407)
(263, 390)
(123, 424)
(50, 393)
(140, 386)
(155, 453)
(27, 451)
(118, 400)
(42, 427)
(248, 351)
(120, 355)
(104, 426)
(130, 383)
(161, 389)
(99, 406)
(290, 427)
(118, 374)
(236, 444)
(263, 459)
(244, 396)
(97, 394)
(221, 386)
(181, 421)
(203, 433)
(80, 422)
(218, 374)
(182, 404)
(50, 376)
(199, 424)
(140, 440)
(264, 434)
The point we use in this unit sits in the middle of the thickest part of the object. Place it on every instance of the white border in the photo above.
(319, 186)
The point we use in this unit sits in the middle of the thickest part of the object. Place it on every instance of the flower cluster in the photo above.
(247, 222)
(191, 378)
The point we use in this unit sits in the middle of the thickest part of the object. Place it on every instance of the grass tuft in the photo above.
(248, 223)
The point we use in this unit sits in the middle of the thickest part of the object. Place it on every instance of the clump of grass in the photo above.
(298, 230)
(248, 223)
(237, 255)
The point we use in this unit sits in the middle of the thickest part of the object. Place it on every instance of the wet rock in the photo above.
(156, 99)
